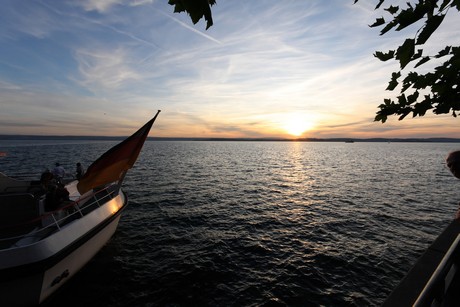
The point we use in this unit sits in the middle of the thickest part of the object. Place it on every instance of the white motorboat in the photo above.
(43, 243)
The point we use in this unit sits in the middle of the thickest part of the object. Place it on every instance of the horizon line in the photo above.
(19, 137)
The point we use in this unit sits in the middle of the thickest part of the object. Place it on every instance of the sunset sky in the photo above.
(266, 68)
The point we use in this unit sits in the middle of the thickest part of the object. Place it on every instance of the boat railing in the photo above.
(441, 288)
(41, 226)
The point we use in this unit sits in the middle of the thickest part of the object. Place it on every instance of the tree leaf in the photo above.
(379, 4)
(378, 22)
(402, 100)
(410, 15)
(178, 7)
(404, 112)
(394, 81)
(380, 118)
(456, 3)
(388, 27)
(443, 52)
(405, 52)
(422, 61)
(444, 4)
(430, 26)
(423, 106)
(384, 56)
(392, 9)
(386, 108)
(195, 8)
(410, 80)
(413, 98)
(417, 55)
(456, 50)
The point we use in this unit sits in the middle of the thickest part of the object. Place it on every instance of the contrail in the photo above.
(188, 27)
(130, 35)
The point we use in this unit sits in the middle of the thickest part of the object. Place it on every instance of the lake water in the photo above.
(259, 223)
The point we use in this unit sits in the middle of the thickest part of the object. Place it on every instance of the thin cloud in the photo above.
(186, 26)
(104, 6)
(101, 6)
(8, 86)
(353, 124)
(104, 68)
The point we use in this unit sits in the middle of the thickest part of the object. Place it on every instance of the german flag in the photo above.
(112, 165)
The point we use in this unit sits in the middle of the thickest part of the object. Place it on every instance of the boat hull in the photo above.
(27, 281)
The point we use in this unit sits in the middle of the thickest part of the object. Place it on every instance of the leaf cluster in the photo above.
(441, 86)
(195, 8)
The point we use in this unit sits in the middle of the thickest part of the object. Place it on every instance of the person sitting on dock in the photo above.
(453, 163)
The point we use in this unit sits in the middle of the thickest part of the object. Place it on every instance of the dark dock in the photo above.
(434, 280)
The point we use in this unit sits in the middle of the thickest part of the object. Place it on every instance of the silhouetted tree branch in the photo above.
(439, 89)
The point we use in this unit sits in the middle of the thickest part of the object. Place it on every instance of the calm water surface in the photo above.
(259, 223)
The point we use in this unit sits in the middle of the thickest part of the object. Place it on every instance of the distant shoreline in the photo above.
(118, 138)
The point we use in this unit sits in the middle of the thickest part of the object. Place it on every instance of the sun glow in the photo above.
(296, 125)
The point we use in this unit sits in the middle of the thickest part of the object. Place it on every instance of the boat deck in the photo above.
(24, 220)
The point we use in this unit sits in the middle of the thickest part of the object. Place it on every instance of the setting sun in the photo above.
(296, 125)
